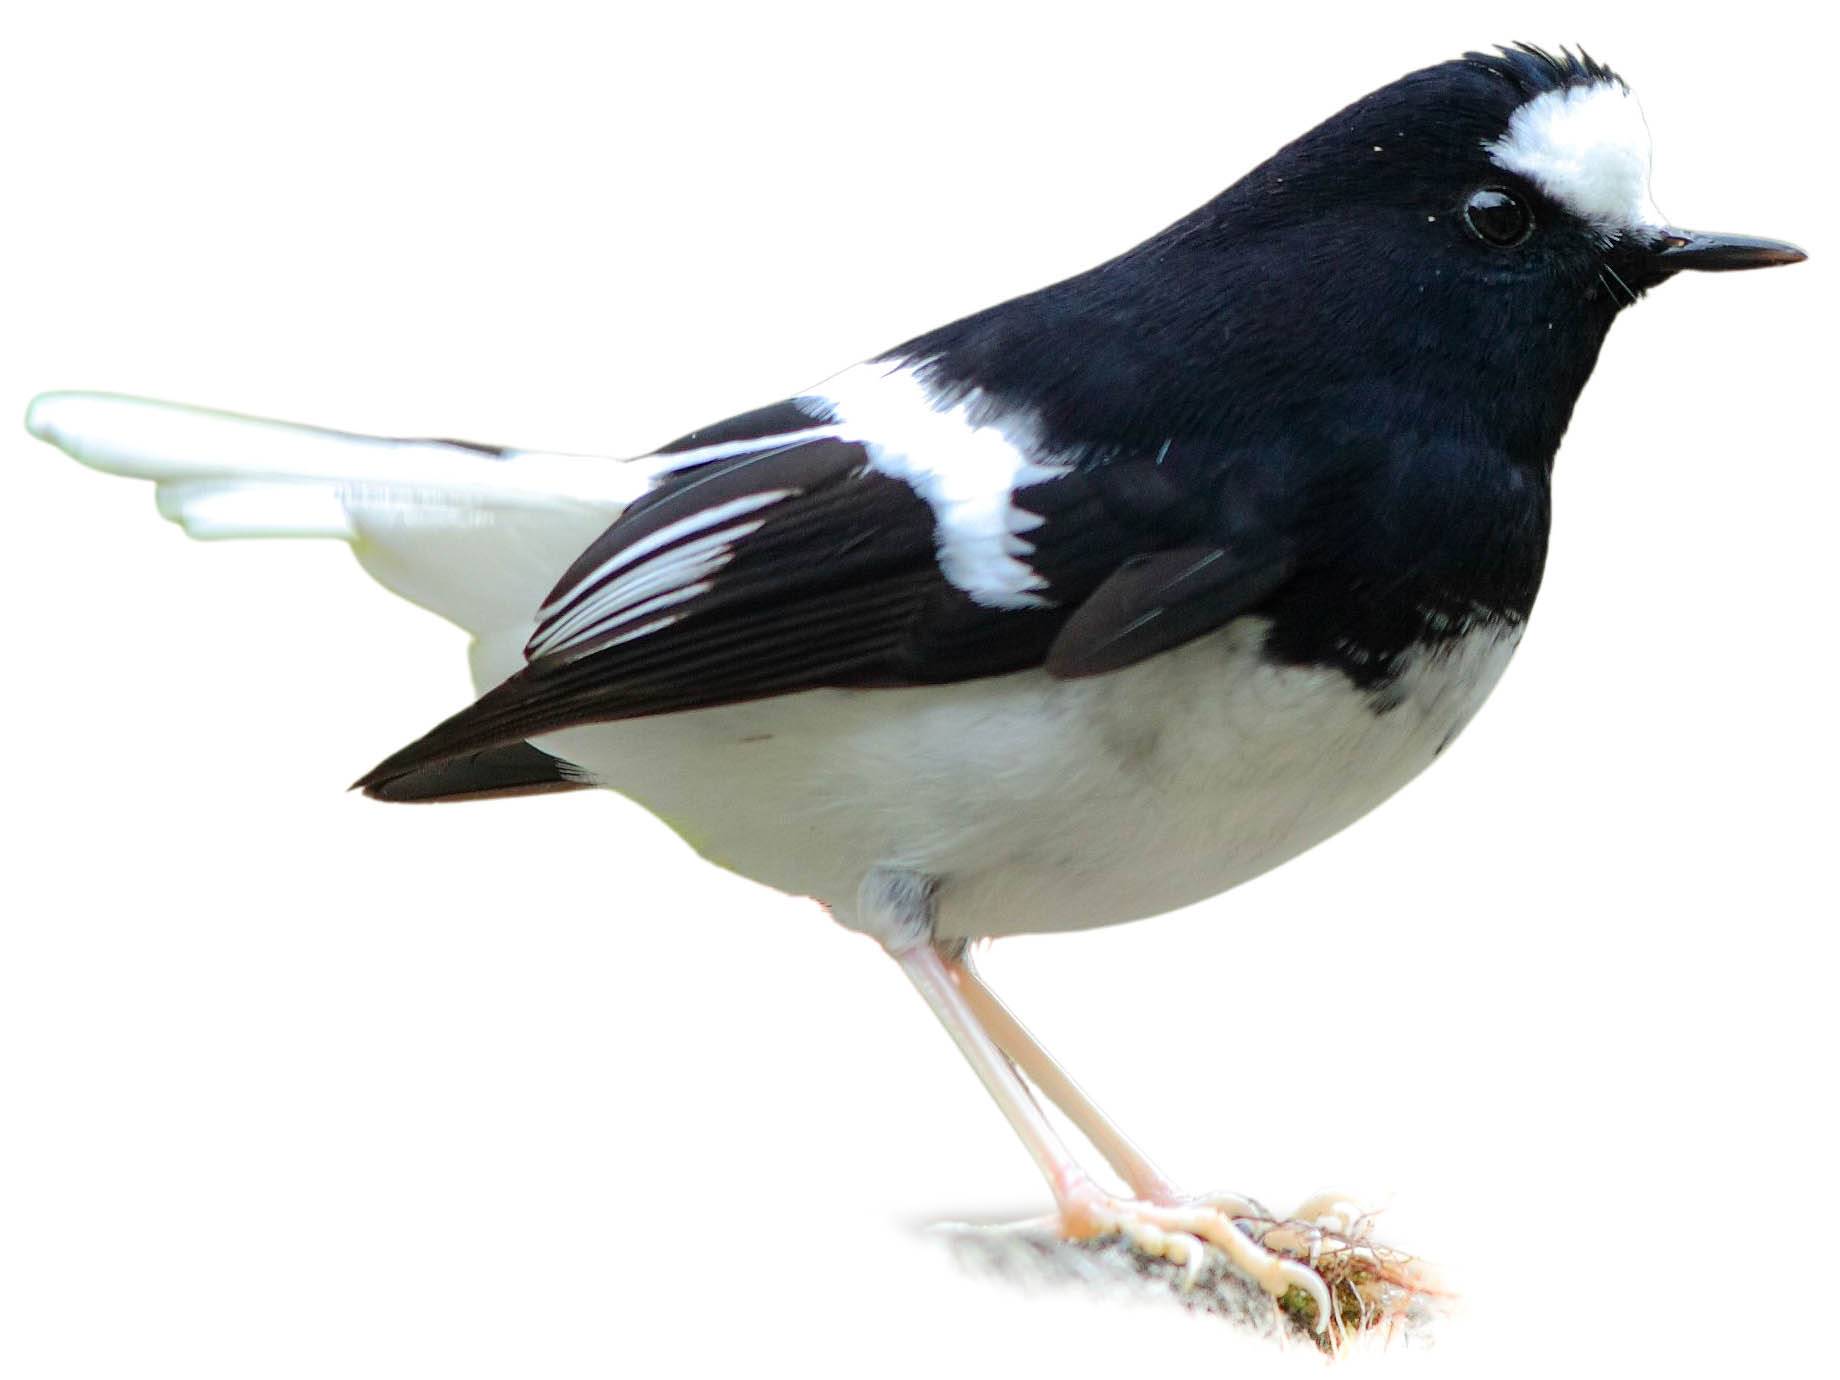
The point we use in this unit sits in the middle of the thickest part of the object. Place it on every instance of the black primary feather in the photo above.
(515, 769)
(839, 585)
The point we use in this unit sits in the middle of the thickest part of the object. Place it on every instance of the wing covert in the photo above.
(765, 564)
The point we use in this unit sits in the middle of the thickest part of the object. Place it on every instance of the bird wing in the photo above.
(801, 546)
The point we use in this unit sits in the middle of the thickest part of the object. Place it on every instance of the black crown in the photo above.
(1533, 71)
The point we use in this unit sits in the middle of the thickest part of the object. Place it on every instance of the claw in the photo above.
(1181, 1234)
(1194, 1256)
(1301, 1276)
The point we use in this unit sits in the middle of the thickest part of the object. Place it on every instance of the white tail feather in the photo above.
(476, 535)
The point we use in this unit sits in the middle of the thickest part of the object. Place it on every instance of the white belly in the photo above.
(1041, 804)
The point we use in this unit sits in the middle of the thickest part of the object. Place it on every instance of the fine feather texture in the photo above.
(762, 564)
(1158, 601)
(1045, 804)
(1587, 147)
(1083, 606)
(515, 769)
(1268, 500)
(972, 457)
(474, 533)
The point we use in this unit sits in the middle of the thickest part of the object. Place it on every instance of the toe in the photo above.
(1296, 1275)
(1340, 1213)
(1230, 1204)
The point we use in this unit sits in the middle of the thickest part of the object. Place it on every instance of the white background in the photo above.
(296, 1084)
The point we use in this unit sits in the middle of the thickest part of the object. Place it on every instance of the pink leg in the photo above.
(1142, 1177)
(1084, 1210)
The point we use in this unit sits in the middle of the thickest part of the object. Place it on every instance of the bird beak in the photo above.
(1678, 249)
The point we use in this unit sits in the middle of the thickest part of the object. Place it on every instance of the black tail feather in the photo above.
(509, 770)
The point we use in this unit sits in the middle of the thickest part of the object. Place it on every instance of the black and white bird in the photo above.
(1086, 607)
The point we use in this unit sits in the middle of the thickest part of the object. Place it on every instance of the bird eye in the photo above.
(1497, 217)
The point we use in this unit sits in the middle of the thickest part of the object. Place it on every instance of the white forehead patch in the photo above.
(1587, 147)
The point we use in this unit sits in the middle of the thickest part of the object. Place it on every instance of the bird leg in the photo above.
(1302, 1233)
(1143, 1178)
(1174, 1230)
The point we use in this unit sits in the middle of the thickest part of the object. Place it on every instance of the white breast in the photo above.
(1042, 804)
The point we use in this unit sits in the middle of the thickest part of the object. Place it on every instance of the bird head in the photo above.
(1466, 234)
(1576, 148)
(1456, 244)
(1519, 169)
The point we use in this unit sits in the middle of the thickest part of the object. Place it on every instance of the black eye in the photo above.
(1497, 217)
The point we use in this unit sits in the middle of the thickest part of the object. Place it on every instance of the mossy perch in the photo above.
(1375, 1289)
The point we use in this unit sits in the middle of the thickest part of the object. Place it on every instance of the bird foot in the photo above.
(1181, 1232)
(1324, 1221)
(1332, 1234)
(1328, 1221)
